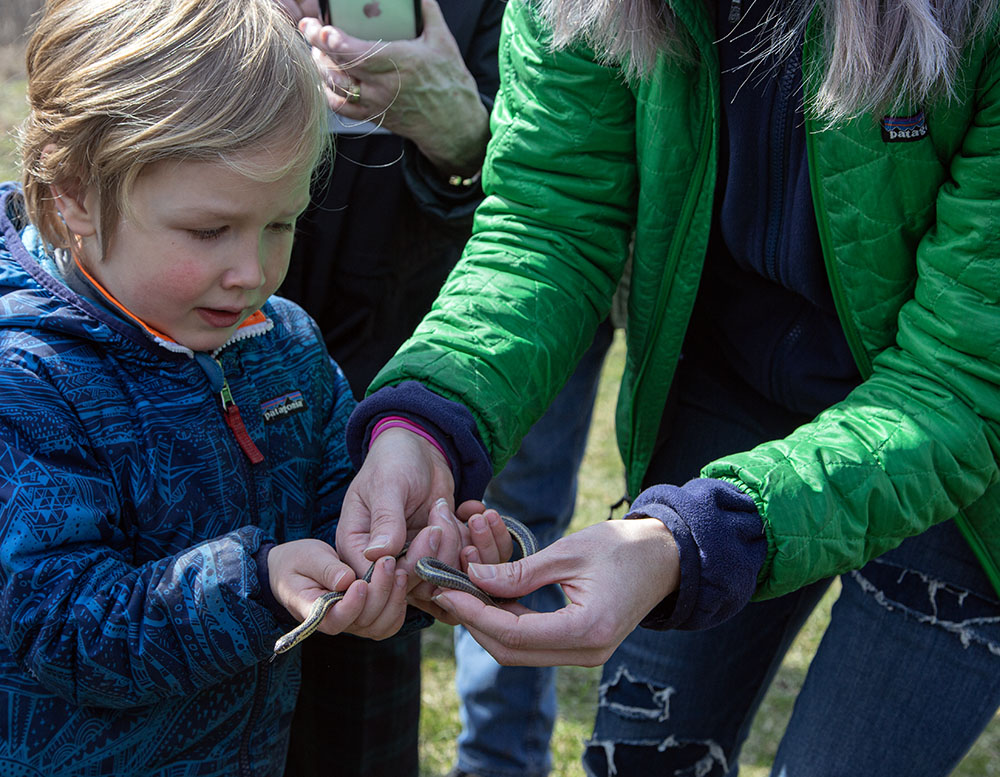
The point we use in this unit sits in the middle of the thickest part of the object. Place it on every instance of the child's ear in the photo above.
(72, 204)
(79, 211)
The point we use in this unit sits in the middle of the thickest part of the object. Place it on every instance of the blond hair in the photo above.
(879, 54)
(115, 85)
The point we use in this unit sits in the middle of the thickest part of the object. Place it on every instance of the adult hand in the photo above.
(419, 89)
(613, 573)
(390, 499)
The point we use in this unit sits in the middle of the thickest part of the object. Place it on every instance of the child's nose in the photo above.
(248, 268)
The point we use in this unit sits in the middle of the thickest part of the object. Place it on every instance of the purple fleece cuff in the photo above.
(450, 423)
(722, 546)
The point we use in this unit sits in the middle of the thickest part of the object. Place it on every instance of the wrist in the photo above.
(398, 436)
(661, 556)
(458, 156)
(398, 422)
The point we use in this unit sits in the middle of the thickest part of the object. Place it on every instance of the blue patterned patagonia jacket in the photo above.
(135, 619)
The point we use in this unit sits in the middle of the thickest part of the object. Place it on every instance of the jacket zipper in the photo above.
(735, 11)
(263, 672)
(779, 156)
(234, 421)
(689, 206)
(854, 343)
(231, 414)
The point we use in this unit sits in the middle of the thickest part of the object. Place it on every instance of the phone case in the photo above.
(375, 19)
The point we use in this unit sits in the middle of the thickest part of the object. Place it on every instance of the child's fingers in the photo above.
(490, 538)
(469, 508)
(393, 613)
(346, 611)
(380, 589)
(442, 539)
(453, 536)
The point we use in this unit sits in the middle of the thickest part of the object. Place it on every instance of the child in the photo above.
(170, 437)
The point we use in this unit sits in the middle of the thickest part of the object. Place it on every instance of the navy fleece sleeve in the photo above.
(722, 546)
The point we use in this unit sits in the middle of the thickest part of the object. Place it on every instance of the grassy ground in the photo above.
(12, 105)
(601, 484)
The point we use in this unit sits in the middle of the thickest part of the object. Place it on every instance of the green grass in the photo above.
(601, 484)
(13, 107)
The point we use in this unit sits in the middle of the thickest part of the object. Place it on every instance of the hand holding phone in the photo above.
(374, 19)
(419, 89)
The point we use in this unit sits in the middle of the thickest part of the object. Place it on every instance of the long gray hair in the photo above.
(878, 53)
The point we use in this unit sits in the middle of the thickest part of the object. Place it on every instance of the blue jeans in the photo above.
(906, 676)
(507, 713)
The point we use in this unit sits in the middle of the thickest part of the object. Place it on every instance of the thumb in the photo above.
(321, 563)
(433, 19)
(369, 530)
(387, 533)
(513, 579)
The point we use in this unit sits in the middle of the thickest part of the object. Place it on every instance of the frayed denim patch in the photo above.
(972, 618)
(632, 698)
(635, 699)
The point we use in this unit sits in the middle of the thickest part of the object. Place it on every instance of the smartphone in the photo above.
(374, 19)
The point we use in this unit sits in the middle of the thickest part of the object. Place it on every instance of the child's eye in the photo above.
(207, 234)
(282, 226)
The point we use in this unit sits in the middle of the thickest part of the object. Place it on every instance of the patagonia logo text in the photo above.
(904, 129)
(283, 406)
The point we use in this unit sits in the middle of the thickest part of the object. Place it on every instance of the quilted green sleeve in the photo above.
(549, 244)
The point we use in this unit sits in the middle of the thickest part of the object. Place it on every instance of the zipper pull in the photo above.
(235, 422)
(735, 11)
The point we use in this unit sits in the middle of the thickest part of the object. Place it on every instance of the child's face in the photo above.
(202, 250)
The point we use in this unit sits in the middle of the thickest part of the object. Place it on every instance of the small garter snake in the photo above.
(428, 568)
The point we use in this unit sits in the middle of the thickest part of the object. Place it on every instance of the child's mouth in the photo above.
(219, 318)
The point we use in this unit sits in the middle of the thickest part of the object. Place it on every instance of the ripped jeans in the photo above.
(906, 676)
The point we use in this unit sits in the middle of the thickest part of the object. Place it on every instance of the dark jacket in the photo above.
(385, 228)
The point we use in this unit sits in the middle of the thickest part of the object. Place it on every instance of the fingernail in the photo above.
(434, 540)
(378, 542)
(387, 564)
(478, 524)
(442, 601)
(483, 571)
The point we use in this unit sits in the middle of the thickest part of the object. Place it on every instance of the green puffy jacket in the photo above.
(580, 160)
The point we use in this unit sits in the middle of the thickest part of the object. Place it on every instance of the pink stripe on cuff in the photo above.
(395, 421)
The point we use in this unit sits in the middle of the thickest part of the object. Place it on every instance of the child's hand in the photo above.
(443, 538)
(489, 540)
(479, 537)
(302, 570)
